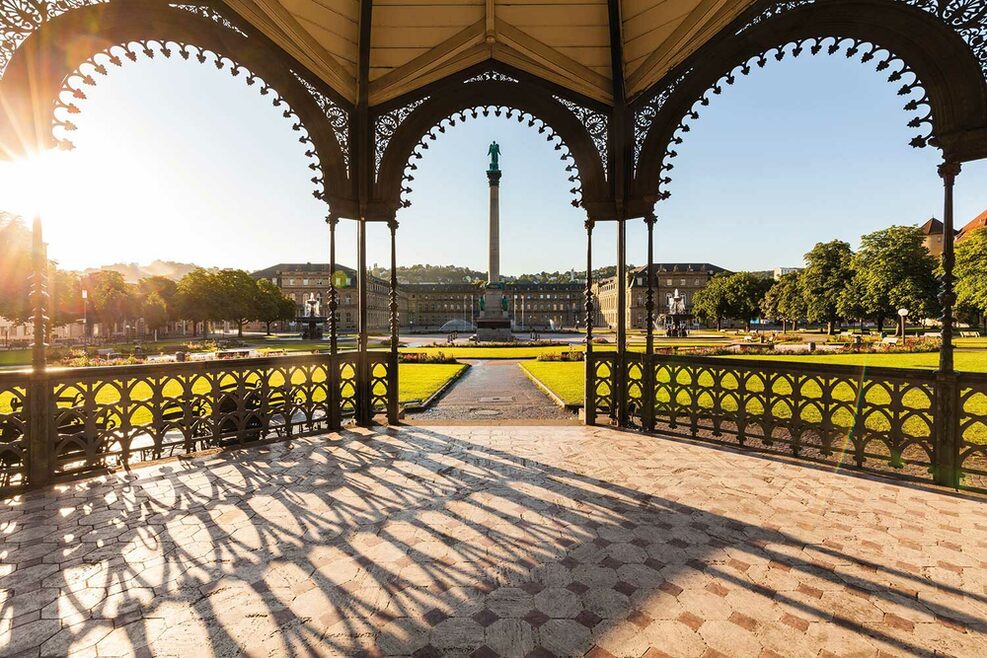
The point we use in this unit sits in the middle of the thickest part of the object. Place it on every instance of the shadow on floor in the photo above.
(415, 541)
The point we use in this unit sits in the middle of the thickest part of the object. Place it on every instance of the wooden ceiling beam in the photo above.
(280, 26)
(675, 47)
(421, 69)
(551, 59)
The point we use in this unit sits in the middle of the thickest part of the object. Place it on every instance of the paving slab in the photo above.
(491, 541)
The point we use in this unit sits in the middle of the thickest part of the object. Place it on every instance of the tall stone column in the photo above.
(494, 325)
(493, 271)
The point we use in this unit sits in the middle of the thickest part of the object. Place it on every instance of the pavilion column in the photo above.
(589, 394)
(364, 413)
(38, 455)
(648, 404)
(332, 220)
(335, 413)
(619, 408)
(392, 368)
(948, 438)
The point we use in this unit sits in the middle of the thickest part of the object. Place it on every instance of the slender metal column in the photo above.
(947, 297)
(947, 471)
(38, 453)
(619, 412)
(332, 220)
(392, 370)
(589, 395)
(648, 404)
(364, 412)
(335, 413)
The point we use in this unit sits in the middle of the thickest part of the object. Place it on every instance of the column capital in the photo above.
(392, 224)
(332, 220)
(650, 219)
(589, 224)
(949, 170)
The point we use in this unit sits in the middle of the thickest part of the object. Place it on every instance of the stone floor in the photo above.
(487, 541)
(494, 390)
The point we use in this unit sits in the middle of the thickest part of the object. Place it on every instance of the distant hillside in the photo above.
(134, 272)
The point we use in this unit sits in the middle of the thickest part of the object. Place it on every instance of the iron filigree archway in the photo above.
(919, 50)
(50, 52)
(579, 130)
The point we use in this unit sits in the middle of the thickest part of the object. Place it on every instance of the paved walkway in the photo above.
(494, 390)
(491, 541)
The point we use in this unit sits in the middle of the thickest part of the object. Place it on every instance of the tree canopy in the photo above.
(971, 273)
(893, 270)
(826, 275)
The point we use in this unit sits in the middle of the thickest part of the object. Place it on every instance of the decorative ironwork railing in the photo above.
(881, 419)
(13, 428)
(972, 434)
(105, 417)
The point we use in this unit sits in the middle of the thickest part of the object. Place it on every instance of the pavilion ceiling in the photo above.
(414, 42)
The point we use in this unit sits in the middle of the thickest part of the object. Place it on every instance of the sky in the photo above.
(179, 161)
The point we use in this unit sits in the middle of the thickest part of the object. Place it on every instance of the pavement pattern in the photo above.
(494, 390)
(491, 541)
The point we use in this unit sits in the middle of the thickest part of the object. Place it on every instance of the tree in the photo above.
(711, 304)
(894, 270)
(15, 268)
(971, 274)
(65, 305)
(272, 305)
(784, 301)
(826, 275)
(744, 293)
(238, 298)
(197, 298)
(154, 310)
(112, 299)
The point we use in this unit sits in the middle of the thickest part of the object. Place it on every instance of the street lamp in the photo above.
(902, 314)
(85, 316)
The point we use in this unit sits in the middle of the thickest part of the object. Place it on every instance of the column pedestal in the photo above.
(494, 325)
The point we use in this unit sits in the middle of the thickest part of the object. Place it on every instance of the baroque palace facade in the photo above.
(687, 278)
(428, 306)
(299, 281)
(531, 306)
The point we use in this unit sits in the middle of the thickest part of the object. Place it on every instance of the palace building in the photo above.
(687, 278)
(298, 281)
(530, 306)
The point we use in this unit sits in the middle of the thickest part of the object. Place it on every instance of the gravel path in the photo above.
(494, 390)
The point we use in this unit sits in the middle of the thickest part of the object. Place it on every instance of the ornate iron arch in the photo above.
(50, 56)
(578, 129)
(936, 65)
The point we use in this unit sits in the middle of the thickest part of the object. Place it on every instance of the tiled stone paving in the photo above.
(487, 541)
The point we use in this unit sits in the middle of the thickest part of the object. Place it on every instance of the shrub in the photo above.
(571, 355)
(426, 357)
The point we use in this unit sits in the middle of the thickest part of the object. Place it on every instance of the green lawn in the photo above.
(418, 381)
(500, 352)
(564, 378)
(15, 358)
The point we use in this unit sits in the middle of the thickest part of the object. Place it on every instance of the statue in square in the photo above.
(494, 153)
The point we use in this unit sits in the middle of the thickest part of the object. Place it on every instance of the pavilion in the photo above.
(615, 85)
